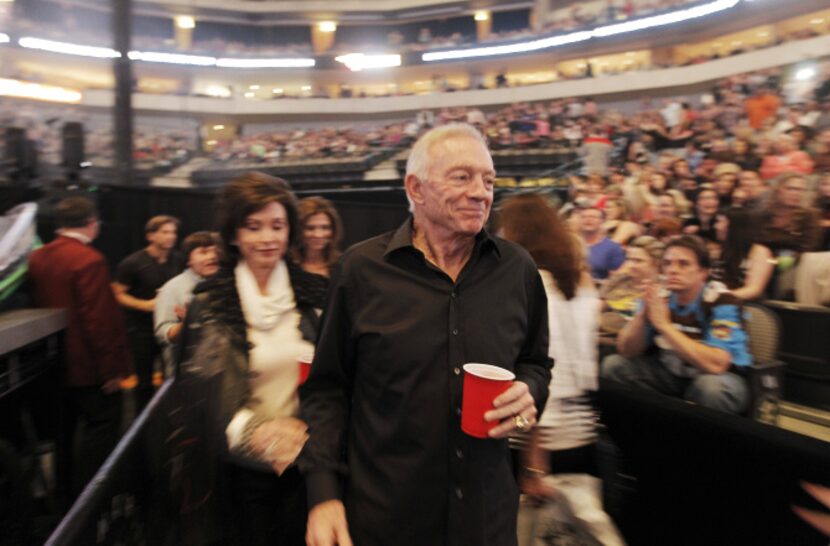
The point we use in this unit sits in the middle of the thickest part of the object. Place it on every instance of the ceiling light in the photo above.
(69, 49)
(253, 87)
(327, 26)
(277, 90)
(816, 21)
(185, 21)
(482, 15)
(306, 88)
(218, 91)
(665, 19)
(4, 38)
(218, 127)
(534, 45)
(359, 61)
(26, 90)
(249, 95)
(171, 58)
(225, 62)
(807, 73)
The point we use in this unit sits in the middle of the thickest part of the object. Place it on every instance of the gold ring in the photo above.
(521, 422)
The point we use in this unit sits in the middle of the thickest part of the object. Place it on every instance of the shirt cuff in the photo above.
(322, 487)
(236, 428)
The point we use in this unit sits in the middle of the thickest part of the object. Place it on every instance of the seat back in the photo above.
(766, 374)
(764, 330)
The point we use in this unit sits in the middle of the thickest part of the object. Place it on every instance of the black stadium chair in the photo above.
(805, 346)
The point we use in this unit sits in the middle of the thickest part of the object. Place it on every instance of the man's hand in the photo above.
(817, 519)
(656, 307)
(112, 386)
(180, 311)
(327, 525)
(516, 400)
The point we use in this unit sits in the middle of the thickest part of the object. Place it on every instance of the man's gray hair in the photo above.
(418, 162)
(419, 158)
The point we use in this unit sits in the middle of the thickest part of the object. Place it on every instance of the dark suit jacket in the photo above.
(69, 274)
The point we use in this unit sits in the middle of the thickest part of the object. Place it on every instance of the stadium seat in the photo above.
(766, 374)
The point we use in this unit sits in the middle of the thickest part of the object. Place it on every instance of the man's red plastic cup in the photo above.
(482, 384)
(304, 362)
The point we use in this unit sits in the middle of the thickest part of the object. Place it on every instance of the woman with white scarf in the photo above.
(245, 329)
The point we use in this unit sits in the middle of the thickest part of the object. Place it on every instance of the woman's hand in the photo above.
(279, 441)
(534, 485)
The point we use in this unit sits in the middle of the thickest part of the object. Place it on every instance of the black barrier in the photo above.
(148, 491)
(699, 476)
(114, 508)
(159, 486)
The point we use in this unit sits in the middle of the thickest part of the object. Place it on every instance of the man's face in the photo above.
(792, 192)
(682, 270)
(204, 260)
(164, 237)
(590, 221)
(458, 192)
(750, 182)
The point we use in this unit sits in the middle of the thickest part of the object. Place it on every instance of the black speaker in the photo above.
(15, 148)
(73, 145)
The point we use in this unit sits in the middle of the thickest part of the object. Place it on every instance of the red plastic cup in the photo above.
(482, 384)
(304, 362)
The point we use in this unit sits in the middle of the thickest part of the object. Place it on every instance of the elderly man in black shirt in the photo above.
(387, 461)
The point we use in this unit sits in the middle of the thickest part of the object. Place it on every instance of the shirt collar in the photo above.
(75, 235)
(684, 310)
(402, 238)
(193, 275)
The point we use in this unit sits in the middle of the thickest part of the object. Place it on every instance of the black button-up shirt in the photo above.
(383, 400)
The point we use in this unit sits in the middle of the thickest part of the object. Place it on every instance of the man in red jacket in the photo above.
(68, 273)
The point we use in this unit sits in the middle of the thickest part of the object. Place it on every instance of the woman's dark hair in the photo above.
(307, 208)
(663, 228)
(246, 195)
(532, 222)
(199, 239)
(693, 243)
(740, 236)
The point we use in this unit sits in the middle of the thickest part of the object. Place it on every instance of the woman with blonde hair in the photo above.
(320, 233)
(617, 226)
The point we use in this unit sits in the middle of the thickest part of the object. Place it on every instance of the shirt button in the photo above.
(456, 371)
(459, 493)
(455, 331)
(454, 294)
(459, 453)
(458, 411)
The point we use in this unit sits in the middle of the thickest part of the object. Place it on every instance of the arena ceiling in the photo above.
(298, 11)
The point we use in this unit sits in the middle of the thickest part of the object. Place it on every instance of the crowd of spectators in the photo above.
(305, 144)
(742, 169)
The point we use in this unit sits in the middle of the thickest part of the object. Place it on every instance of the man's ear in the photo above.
(414, 188)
